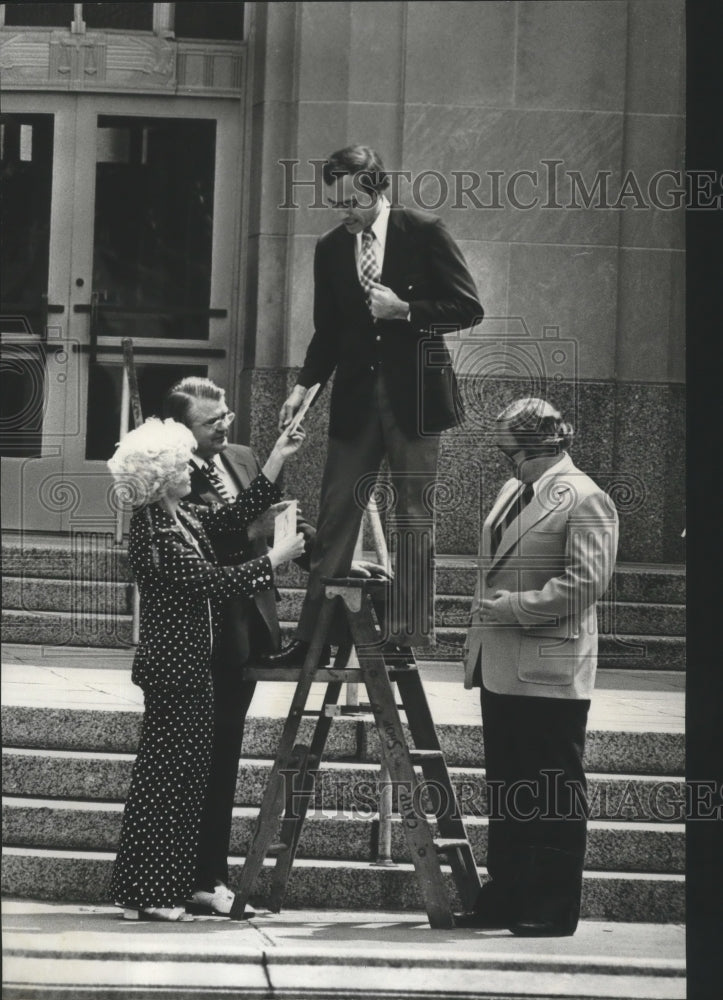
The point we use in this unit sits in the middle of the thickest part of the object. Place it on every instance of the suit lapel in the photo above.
(243, 472)
(503, 497)
(553, 493)
(394, 257)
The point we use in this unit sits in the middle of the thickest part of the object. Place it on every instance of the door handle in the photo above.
(45, 309)
(93, 327)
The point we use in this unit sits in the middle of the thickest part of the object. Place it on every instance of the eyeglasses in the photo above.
(226, 418)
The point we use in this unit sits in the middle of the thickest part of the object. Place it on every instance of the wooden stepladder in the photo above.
(290, 788)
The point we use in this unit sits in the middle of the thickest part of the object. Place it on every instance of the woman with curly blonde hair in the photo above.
(182, 589)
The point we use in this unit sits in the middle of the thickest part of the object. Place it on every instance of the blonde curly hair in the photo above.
(150, 458)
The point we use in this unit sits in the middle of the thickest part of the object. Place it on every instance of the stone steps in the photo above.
(342, 835)
(99, 598)
(340, 786)
(31, 730)
(84, 876)
(90, 557)
(111, 631)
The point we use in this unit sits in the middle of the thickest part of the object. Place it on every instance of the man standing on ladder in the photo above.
(387, 282)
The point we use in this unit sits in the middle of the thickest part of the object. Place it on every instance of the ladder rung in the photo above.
(445, 845)
(421, 756)
(365, 709)
(275, 849)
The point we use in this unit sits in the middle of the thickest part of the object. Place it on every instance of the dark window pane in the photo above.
(22, 399)
(104, 399)
(39, 15)
(26, 175)
(210, 20)
(124, 16)
(154, 226)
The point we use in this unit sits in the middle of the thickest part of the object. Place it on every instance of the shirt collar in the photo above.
(552, 471)
(380, 224)
(201, 463)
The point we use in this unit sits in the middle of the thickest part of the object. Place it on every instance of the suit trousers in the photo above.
(349, 476)
(536, 791)
(232, 697)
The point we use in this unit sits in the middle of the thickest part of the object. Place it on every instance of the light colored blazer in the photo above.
(557, 560)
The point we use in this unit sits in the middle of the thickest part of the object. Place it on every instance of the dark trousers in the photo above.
(349, 476)
(537, 795)
(231, 701)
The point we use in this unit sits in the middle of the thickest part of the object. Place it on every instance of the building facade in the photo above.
(160, 184)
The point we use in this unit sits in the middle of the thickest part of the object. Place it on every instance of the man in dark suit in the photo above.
(547, 554)
(250, 626)
(388, 283)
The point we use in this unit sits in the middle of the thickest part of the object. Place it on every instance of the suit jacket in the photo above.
(182, 586)
(425, 267)
(557, 560)
(235, 638)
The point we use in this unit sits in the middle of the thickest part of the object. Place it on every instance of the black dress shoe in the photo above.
(295, 654)
(547, 917)
(493, 910)
(542, 928)
(481, 921)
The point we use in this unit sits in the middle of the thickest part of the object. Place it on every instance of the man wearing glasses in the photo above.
(250, 626)
(388, 283)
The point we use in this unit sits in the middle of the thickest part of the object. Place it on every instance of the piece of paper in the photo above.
(306, 403)
(285, 524)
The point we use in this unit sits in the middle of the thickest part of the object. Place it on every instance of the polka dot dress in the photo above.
(182, 592)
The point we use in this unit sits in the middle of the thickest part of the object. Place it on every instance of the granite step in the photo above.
(341, 835)
(637, 652)
(68, 628)
(92, 775)
(91, 557)
(621, 618)
(84, 876)
(77, 596)
(114, 631)
(644, 751)
(98, 598)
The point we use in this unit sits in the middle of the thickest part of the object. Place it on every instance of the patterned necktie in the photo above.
(525, 494)
(212, 474)
(368, 268)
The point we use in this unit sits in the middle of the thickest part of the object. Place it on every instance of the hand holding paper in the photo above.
(306, 403)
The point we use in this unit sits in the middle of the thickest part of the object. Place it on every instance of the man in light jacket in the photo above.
(547, 555)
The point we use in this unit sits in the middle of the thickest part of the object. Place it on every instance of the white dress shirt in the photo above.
(223, 473)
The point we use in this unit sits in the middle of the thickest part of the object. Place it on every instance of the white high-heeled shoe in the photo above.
(174, 914)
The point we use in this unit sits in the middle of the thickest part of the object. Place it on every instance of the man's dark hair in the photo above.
(178, 399)
(361, 162)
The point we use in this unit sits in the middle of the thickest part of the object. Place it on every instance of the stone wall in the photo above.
(475, 94)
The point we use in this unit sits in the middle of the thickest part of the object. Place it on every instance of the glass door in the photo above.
(146, 248)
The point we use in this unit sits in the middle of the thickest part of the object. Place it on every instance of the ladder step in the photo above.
(363, 708)
(445, 845)
(274, 850)
(348, 675)
(422, 756)
(395, 672)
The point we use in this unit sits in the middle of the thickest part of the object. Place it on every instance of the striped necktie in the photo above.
(214, 478)
(368, 268)
(525, 494)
